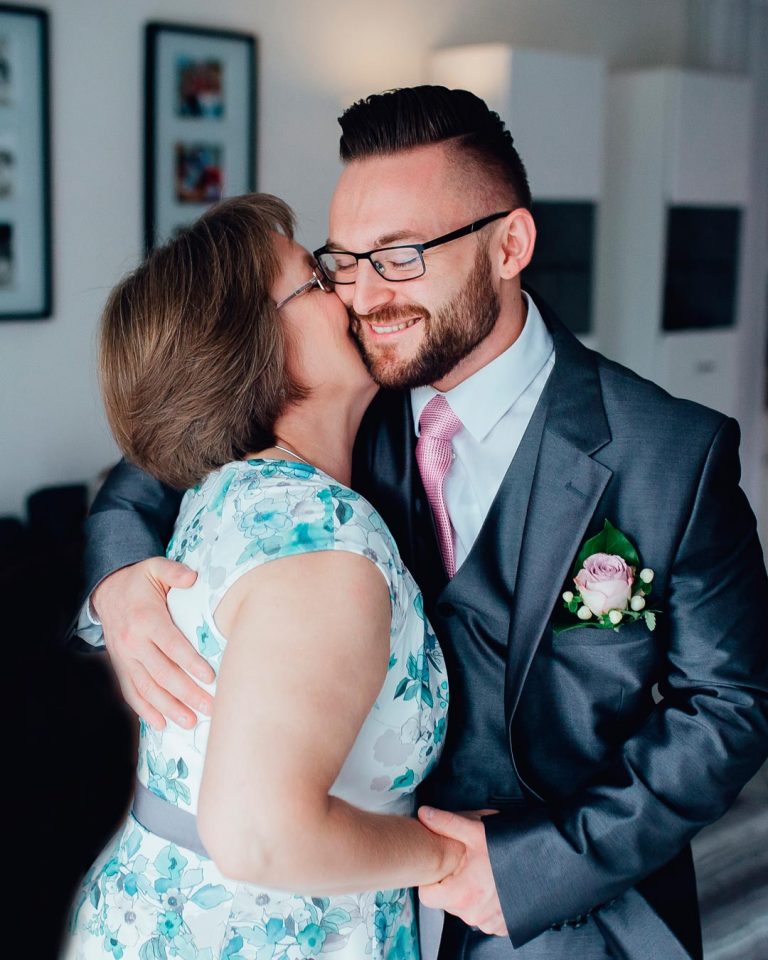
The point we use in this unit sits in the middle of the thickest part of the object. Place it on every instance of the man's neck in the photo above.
(507, 329)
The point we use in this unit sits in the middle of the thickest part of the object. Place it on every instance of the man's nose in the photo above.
(371, 291)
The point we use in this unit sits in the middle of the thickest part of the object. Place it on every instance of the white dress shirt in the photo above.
(495, 406)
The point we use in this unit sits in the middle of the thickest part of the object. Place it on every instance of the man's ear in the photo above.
(517, 238)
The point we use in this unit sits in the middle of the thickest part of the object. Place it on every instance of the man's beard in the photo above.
(451, 334)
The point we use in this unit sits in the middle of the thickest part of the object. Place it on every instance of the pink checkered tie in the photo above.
(438, 426)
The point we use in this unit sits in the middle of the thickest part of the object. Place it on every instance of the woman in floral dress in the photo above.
(282, 827)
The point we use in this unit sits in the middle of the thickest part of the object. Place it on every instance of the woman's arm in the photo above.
(307, 655)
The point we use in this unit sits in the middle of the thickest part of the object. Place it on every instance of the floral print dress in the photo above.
(150, 899)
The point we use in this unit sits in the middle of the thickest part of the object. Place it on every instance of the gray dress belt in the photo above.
(167, 821)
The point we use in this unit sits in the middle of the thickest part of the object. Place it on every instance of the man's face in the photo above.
(414, 332)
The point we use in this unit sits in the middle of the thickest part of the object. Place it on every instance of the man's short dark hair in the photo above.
(387, 123)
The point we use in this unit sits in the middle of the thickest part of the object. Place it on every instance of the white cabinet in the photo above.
(554, 105)
(677, 146)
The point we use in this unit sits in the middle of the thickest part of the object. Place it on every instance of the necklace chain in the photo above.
(293, 453)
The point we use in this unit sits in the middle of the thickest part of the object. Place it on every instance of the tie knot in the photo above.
(438, 421)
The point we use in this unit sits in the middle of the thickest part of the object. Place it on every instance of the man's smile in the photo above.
(387, 329)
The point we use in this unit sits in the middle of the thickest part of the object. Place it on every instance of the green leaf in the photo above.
(133, 844)
(401, 687)
(153, 949)
(344, 512)
(609, 540)
(410, 666)
(411, 692)
(342, 493)
(406, 780)
(650, 619)
(191, 878)
(183, 769)
(210, 896)
(426, 695)
(183, 792)
(275, 929)
(337, 916)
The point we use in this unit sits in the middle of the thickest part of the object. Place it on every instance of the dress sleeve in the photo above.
(271, 521)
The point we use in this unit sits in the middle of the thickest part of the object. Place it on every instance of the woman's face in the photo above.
(322, 354)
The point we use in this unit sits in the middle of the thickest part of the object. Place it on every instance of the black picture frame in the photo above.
(26, 285)
(199, 122)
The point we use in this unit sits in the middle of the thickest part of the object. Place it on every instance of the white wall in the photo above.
(314, 59)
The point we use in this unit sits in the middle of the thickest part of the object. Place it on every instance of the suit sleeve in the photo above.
(700, 745)
(131, 520)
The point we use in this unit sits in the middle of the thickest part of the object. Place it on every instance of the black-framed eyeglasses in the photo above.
(396, 264)
(316, 280)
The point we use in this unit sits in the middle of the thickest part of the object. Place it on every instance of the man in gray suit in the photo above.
(498, 447)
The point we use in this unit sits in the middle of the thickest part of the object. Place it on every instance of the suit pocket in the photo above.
(596, 636)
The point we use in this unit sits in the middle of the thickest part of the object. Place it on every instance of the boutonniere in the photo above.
(608, 588)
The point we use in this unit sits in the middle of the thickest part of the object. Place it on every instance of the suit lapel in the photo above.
(567, 488)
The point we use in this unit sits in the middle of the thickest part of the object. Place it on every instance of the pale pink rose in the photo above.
(605, 583)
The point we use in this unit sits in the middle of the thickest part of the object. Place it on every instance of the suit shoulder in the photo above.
(636, 405)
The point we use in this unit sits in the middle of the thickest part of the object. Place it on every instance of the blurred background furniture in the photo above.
(72, 746)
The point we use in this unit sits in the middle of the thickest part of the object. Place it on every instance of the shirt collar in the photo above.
(481, 400)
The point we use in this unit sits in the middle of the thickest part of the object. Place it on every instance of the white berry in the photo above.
(646, 575)
(615, 616)
(584, 613)
(568, 596)
(637, 603)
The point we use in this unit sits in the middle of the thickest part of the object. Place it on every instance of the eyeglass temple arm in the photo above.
(463, 231)
(298, 292)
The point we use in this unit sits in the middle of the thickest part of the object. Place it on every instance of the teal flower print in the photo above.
(170, 862)
(405, 944)
(216, 503)
(389, 906)
(440, 731)
(112, 945)
(166, 776)
(187, 539)
(207, 644)
(311, 939)
(233, 947)
(342, 496)
(416, 683)
(263, 519)
(285, 468)
(169, 923)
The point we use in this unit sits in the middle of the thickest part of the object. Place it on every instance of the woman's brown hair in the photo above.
(192, 356)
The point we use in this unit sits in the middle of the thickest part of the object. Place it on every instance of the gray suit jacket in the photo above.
(618, 784)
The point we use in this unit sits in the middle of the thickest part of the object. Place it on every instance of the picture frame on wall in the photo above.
(200, 123)
(25, 178)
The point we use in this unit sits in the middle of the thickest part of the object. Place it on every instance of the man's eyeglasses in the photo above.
(316, 280)
(396, 264)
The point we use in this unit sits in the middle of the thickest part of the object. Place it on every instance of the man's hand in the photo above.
(470, 893)
(151, 657)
